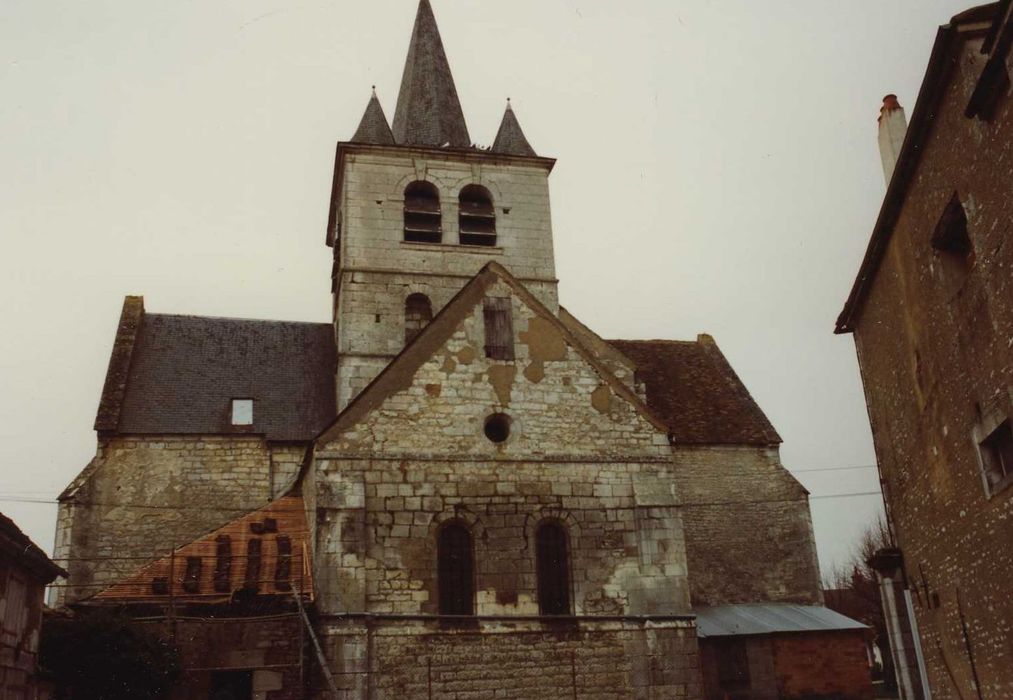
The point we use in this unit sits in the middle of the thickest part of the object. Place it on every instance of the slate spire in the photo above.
(373, 128)
(428, 110)
(510, 138)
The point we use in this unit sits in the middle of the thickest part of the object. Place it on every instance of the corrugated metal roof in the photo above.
(769, 618)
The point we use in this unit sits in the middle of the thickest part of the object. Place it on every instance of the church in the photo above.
(455, 489)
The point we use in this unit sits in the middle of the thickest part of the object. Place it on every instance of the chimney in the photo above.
(892, 127)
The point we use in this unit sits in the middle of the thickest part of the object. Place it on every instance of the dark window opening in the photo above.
(223, 564)
(231, 685)
(499, 329)
(253, 560)
(283, 567)
(997, 457)
(733, 664)
(950, 235)
(477, 216)
(422, 219)
(497, 427)
(160, 585)
(418, 312)
(992, 86)
(553, 569)
(191, 577)
(455, 571)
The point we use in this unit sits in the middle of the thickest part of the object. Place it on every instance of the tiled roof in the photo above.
(428, 110)
(185, 370)
(373, 129)
(694, 389)
(510, 138)
(18, 547)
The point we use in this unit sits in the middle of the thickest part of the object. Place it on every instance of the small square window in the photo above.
(242, 411)
(997, 458)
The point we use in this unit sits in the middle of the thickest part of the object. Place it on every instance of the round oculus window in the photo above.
(497, 427)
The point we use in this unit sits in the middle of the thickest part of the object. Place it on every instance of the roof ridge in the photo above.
(239, 319)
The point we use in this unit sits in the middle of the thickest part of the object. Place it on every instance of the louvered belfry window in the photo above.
(499, 329)
(477, 216)
(455, 571)
(422, 220)
(553, 568)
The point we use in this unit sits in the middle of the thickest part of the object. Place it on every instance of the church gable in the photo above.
(497, 375)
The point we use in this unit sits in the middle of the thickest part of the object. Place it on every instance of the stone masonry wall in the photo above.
(142, 496)
(748, 528)
(935, 342)
(378, 269)
(522, 660)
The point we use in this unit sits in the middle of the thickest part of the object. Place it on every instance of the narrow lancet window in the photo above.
(455, 571)
(283, 565)
(223, 564)
(418, 312)
(422, 220)
(477, 217)
(553, 568)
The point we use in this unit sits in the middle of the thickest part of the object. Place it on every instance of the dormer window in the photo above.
(477, 217)
(422, 220)
(242, 412)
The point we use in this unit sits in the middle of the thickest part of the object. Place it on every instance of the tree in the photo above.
(106, 656)
(852, 589)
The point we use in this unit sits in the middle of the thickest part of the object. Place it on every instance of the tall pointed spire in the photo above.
(373, 128)
(428, 111)
(510, 138)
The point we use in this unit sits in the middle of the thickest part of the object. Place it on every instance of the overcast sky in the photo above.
(718, 173)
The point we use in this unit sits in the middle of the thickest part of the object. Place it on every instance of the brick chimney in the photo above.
(892, 127)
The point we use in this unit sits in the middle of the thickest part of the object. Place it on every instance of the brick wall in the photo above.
(934, 342)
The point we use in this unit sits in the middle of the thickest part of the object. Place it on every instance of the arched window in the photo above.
(553, 568)
(418, 312)
(422, 222)
(455, 570)
(477, 216)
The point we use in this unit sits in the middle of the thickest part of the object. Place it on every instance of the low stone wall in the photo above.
(525, 659)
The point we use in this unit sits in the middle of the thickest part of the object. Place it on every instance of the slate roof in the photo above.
(185, 370)
(510, 138)
(693, 388)
(374, 129)
(769, 618)
(428, 110)
(16, 546)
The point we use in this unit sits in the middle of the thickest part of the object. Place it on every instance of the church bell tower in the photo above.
(417, 209)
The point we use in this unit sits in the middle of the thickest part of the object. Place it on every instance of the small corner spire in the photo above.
(510, 138)
(428, 111)
(374, 129)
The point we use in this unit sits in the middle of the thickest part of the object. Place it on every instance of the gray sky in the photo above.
(718, 172)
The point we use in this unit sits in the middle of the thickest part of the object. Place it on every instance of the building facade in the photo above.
(456, 489)
(932, 317)
(25, 571)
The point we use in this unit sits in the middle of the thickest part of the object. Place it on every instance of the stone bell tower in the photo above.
(416, 210)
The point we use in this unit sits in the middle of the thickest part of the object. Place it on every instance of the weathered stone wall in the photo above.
(141, 496)
(523, 660)
(378, 270)
(935, 342)
(578, 453)
(748, 528)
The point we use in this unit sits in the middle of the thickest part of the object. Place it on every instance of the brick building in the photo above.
(457, 489)
(932, 317)
(25, 571)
